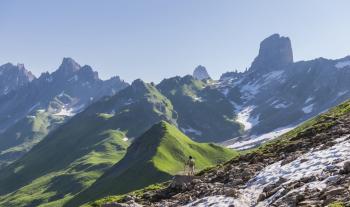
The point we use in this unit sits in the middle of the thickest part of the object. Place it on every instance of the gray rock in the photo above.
(201, 73)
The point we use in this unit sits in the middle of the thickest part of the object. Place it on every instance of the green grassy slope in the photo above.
(153, 157)
(135, 109)
(21, 137)
(202, 108)
(62, 165)
(74, 155)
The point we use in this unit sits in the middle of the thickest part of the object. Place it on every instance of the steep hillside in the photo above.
(59, 95)
(74, 155)
(135, 109)
(20, 138)
(153, 157)
(309, 166)
(63, 164)
(204, 113)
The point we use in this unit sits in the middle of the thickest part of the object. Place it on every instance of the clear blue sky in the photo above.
(153, 39)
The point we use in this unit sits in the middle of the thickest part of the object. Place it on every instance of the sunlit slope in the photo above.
(153, 157)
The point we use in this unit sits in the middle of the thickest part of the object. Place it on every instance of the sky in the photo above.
(156, 39)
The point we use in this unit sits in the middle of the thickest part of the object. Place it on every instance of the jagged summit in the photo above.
(200, 73)
(69, 66)
(275, 52)
(88, 73)
(138, 85)
(13, 77)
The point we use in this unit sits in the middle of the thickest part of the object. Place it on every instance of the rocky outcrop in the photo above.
(13, 76)
(200, 73)
(275, 52)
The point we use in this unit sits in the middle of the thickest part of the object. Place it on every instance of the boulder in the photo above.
(346, 168)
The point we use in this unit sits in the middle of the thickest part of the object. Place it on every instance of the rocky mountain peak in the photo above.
(69, 66)
(13, 76)
(200, 73)
(139, 85)
(274, 53)
(87, 73)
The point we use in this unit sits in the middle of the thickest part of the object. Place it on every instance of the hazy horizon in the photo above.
(156, 40)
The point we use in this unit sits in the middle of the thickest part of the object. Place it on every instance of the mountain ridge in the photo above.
(58, 95)
(156, 155)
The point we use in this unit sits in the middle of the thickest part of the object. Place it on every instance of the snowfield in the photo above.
(308, 109)
(313, 163)
(244, 117)
(253, 141)
(65, 112)
(70, 111)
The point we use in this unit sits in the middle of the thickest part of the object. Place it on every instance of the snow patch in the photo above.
(342, 93)
(281, 106)
(308, 109)
(254, 141)
(70, 111)
(74, 78)
(342, 64)
(249, 90)
(33, 107)
(309, 99)
(191, 130)
(61, 94)
(218, 201)
(273, 75)
(244, 117)
(198, 99)
(225, 91)
(65, 112)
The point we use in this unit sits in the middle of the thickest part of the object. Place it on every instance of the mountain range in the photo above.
(39, 105)
(68, 136)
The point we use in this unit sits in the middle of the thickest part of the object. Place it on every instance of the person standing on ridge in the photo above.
(190, 165)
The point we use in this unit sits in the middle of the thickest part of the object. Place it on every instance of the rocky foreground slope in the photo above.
(309, 166)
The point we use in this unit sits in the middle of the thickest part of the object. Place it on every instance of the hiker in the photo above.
(190, 164)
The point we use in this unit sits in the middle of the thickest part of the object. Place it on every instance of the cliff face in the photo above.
(13, 76)
(200, 73)
(275, 52)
